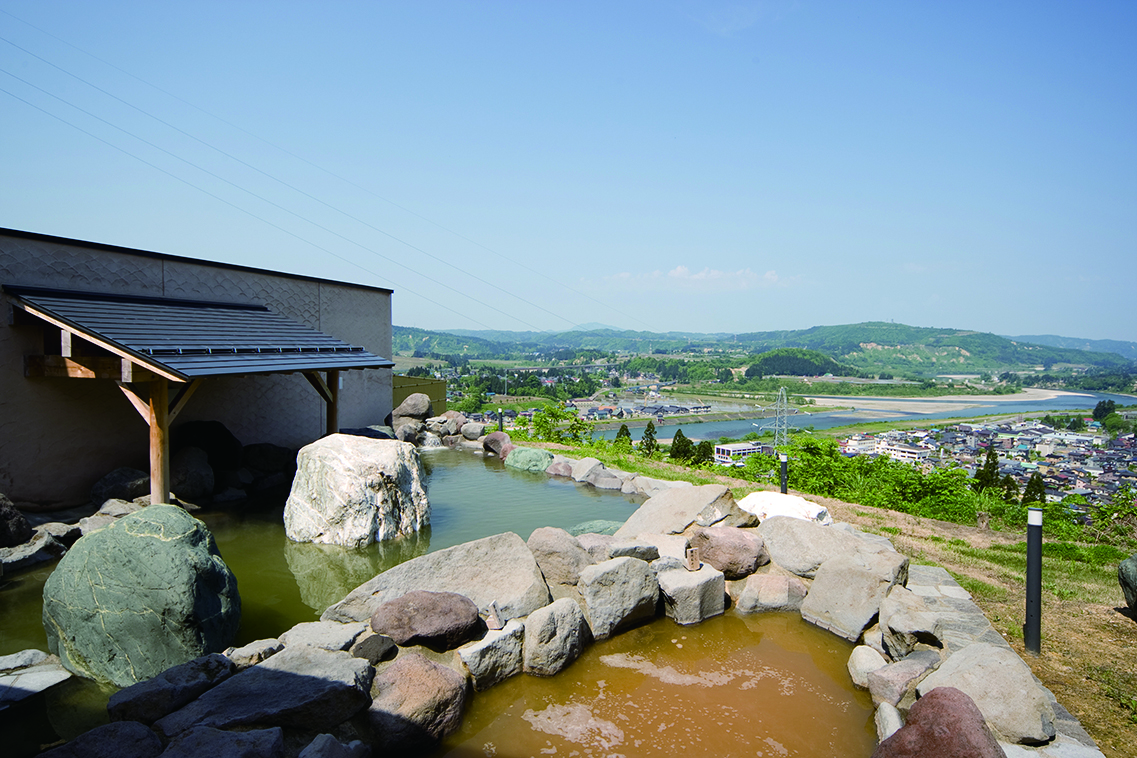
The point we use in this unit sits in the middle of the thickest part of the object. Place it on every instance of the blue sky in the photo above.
(690, 166)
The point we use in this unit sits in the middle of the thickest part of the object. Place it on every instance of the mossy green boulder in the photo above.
(148, 592)
(529, 459)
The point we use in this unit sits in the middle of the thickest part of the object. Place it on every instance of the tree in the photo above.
(704, 452)
(648, 445)
(623, 441)
(681, 447)
(1103, 409)
(1035, 491)
(988, 476)
(1010, 489)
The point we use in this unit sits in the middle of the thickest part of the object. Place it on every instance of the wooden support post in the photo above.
(333, 417)
(159, 441)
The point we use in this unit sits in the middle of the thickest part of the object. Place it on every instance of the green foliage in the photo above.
(547, 423)
(648, 446)
(472, 402)
(1035, 491)
(1010, 489)
(681, 447)
(623, 441)
(704, 453)
(1103, 409)
(988, 476)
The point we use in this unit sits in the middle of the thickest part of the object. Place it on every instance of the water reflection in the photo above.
(326, 573)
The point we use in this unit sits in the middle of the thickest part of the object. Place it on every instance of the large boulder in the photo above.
(945, 723)
(498, 568)
(417, 407)
(735, 552)
(617, 593)
(204, 740)
(691, 597)
(268, 458)
(863, 661)
(907, 619)
(224, 450)
(14, 526)
(766, 505)
(472, 430)
(555, 636)
(415, 704)
(191, 476)
(675, 510)
(121, 484)
(497, 443)
(848, 589)
(530, 459)
(645, 486)
(152, 699)
(802, 546)
(1014, 705)
(560, 555)
(437, 620)
(303, 687)
(122, 739)
(146, 593)
(1127, 578)
(353, 491)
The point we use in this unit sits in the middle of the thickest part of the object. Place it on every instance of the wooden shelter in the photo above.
(158, 351)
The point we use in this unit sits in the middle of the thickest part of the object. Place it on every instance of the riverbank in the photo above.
(940, 404)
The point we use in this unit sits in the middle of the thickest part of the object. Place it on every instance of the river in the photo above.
(899, 409)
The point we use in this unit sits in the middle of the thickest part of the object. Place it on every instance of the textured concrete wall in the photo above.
(58, 436)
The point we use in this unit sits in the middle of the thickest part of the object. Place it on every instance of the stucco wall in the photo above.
(58, 436)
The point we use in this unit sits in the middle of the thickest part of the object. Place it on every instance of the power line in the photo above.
(264, 199)
(235, 206)
(319, 168)
(283, 182)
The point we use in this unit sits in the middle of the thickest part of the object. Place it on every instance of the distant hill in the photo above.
(872, 347)
(794, 361)
(1124, 349)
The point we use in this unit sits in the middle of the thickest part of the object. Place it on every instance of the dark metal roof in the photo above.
(108, 248)
(193, 338)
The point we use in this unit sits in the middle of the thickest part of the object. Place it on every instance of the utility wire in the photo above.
(264, 199)
(330, 172)
(237, 207)
(283, 182)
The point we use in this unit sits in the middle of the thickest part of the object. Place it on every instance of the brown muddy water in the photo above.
(736, 685)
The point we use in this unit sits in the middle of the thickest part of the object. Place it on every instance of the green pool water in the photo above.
(283, 583)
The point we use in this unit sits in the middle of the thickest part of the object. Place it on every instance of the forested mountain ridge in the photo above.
(870, 347)
(1124, 349)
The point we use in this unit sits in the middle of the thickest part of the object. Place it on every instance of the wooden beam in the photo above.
(183, 396)
(84, 367)
(159, 441)
(140, 405)
(104, 344)
(318, 384)
(333, 415)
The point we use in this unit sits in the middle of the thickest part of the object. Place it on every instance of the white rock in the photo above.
(863, 660)
(495, 657)
(767, 504)
(353, 491)
(887, 720)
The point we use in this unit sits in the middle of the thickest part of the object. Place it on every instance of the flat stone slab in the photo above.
(497, 569)
(45, 673)
(303, 687)
(329, 635)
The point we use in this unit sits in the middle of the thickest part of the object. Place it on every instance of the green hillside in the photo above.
(870, 348)
(793, 361)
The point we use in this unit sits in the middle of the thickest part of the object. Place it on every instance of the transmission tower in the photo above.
(782, 411)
